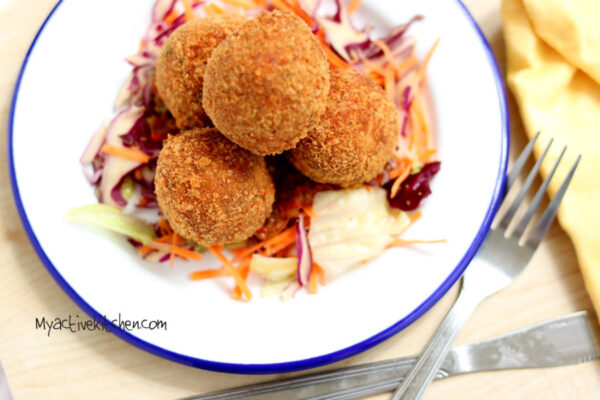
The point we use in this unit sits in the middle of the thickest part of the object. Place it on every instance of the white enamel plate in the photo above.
(67, 85)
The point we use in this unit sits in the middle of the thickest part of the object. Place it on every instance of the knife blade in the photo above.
(562, 341)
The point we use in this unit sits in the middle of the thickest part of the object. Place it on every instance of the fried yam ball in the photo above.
(211, 190)
(356, 136)
(180, 66)
(266, 85)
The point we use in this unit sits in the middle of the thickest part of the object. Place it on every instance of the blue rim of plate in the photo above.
(291, 365)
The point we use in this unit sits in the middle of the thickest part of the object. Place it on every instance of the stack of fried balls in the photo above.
(242, 89)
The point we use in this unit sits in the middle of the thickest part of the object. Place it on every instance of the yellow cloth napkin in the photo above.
(553, 52)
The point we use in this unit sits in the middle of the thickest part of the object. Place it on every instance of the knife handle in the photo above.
(343, 382)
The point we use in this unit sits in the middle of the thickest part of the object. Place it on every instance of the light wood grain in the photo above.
(99, 365)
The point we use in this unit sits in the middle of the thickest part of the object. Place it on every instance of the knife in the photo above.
(562, 341)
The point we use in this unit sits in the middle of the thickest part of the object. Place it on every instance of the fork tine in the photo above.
(520, 162)
(540, 230)
(508, 216)
(535, 203)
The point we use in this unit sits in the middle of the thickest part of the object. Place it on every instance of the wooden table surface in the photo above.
(99, 365)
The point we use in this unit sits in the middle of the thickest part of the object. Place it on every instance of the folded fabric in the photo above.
(553, 54)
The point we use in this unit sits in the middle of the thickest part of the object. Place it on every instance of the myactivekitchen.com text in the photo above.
(76, 324)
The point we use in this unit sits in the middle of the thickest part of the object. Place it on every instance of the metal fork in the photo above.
(501, 258)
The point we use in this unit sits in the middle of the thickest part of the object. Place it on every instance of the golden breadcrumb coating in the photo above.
(211, 190)
(356, 136)
(180, 66)
(266, 85)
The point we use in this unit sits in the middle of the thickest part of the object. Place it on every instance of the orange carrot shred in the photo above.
(171, 17)
(353, 6)
(174, 242)
(237, 292)
(293, 7)
(216, 251)
(390, 84)
(321, 273)
(388, 54)
(189, 10)
(164, 226)
(179, 251)
(207, 274)
(266, 243)
(426, 62)
(312, 282)
(126, 152)
(270, 250)
(308, 210)
(137, 174)
(401, 177)
(213, 9)
(415, 216)
(240, 3)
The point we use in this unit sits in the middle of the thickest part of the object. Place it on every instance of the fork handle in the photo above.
(425, 369)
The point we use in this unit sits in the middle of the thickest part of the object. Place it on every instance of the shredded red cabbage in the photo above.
(415, 188)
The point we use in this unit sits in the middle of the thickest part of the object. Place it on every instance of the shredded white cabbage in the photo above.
(273, 268)
(114, 219)
(351, 227)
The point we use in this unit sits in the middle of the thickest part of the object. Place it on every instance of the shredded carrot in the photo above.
(407, 64)
(237, 292)
(426, 62)
(145, 249)
(143, 201)
(240, 3)
(353, 6)
(390, 84)
(164, 227)
(142, 46)
(405, 242)
(207, 274)
(308, 210)
(312, 281)
(213, 9)
(137, 174)
(241, 282)
(126, 152)
(174, 243)
(427, 142)
(415, 216)
(171, 17)
(261, 3)
(294, 7)
(321, 273)
(286, 251)
(274, 248)
(388, 54)
(269, 242)
(399, 179)
(179, 251)
(428, 154)
(189, 10)
(416, 142)
(379, 80)
(403, 164)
